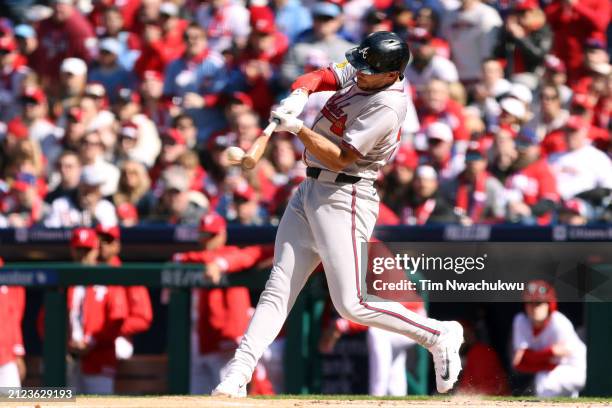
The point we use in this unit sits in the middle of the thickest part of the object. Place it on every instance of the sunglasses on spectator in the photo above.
(323, 18)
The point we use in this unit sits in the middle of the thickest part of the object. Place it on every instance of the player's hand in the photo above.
(286, 122)
(213, 272)
(294, 104)
(193, 101)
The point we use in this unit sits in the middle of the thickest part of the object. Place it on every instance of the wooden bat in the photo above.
(252, 157)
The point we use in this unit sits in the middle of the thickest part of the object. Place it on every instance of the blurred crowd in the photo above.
(118, 112)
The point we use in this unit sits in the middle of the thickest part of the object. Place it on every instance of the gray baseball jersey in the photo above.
(367, 122)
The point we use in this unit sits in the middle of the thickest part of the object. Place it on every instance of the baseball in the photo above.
(234, 154)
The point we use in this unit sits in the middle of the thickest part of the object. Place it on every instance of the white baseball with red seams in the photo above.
(327, 221)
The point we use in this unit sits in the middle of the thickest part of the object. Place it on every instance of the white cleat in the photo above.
(447, 363)
(230, 388)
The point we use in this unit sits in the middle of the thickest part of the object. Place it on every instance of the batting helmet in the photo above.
(379, 52)
(540, 291)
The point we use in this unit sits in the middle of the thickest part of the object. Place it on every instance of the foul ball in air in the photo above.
(234, 154)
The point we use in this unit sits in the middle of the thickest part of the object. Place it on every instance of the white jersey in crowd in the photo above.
(581, 170)
(438, 68)
(367, 122)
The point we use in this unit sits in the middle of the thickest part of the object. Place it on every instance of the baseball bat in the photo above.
(251, 158)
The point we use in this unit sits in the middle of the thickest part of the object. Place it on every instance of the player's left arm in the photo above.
(332, 156)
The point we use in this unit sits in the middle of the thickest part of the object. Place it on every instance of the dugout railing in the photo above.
(302, 361)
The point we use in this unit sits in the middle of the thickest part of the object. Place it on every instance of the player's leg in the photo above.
(379, 359)
(562, 381)
(294, 261)
(398, 383)
(342, 218)
(9, 375)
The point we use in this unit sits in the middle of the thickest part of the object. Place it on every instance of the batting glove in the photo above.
(294, 103)
(286, 122)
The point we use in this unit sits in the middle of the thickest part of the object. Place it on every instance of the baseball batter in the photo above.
(334, 210)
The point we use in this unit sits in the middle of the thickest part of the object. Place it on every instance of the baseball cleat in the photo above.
(447, 363)
(230, 388)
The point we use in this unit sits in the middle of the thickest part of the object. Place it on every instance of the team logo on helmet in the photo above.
(364, 52)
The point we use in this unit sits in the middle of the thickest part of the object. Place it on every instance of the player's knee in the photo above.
(352, 310)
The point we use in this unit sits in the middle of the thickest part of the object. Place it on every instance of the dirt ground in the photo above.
(210, 402)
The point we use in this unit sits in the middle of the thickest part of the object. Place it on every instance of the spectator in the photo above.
(525, 39)
(186, 126)
(95, 315)
(324, 36)
(114, 26)
(503, 153)
(140, 313)
(173, 29)
(135, 188)
(154, 107)
(471, 31)
(440, 155)
(226, 23)
(108, 71)
(153, 54)
(398, 181)
(292, 18)
(486, 94)
(86, 207)
(246, 209)
(13, 74)
(12, 351)
(27, 42)
(173, 146)
(478, 196)
(222, 314)
(583, 169)
(551, 116)
(21, 207)
(73, 78)
(178, 205)
(67, 177)
(531, 189)
(429, 20)
(555, 73)
(573, 22)
(546, 344)
(424, 204)
(198, 77)
(426, 64)
(574, 212)
(91, 153)
(66, 34)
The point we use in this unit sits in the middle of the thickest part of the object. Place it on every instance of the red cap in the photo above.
(174, 135)
(113, 231)
(20, 185)
(35, 94)
(575, 206)
(75, 113)
(406, 157)
(262, 20)
(152, 74)
(242, 98)
(553, 63)
(84, 238)
(419, 34)
(522, 5)
(576, 122)
(127, 211)
(244, 192)
(129, 129)
(540, 291)
(583, 101)
(212, 223)
(7, 43)
(95, 89)
(476, 148)
(17, 128)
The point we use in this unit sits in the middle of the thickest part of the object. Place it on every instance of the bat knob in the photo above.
(248, 163)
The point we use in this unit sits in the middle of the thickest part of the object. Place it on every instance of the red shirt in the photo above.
(483, 373)
(103, 311)
(452, 115)
(555, 142)
(12, 306)
(73, 38)
(223, 313)
(128, 9)
(573, 26)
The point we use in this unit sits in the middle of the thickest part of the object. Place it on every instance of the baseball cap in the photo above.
(419, 35)
(575, 122)
(406, 157)
(95, 89)
(540, 291)
(553, 63)
(175, 178)
(475, 151)
(129, 130)
(24, 181)
(575, 206)
(110, 45)
(602, 68)
(521, 92)
(173, 136)
(244, 191)
(326, 9)
(439, 131)
(514, 107)
(169, 9)
(84, 238)
(127, 95)
(595, 43)
(583, 101)
(212, 223)
(127, 211)
(112, 231)
(75, 114)
(524, 5)
(17, 128)
(262, 20)
(92, 176)
(241, 98)
(427, 172)
(7, 44)
(74, 66)
(526, 137)
(25, 31)
(34, 94)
